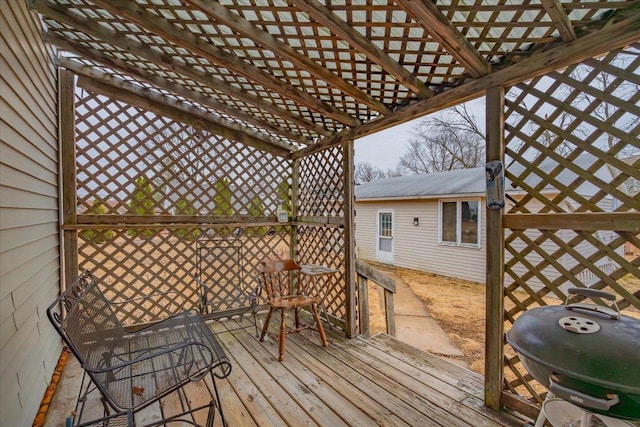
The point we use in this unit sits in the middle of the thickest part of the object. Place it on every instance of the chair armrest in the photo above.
(185, 333)
(169, 302)
(155, 353)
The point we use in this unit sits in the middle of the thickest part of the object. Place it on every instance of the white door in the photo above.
(384, 246)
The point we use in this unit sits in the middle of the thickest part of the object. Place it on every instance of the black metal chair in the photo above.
(222, 283)
(132, 370)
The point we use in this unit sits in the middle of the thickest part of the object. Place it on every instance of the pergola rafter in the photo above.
(160, 26)
(85, 25)
(560, 19)
(163, 83)
(161, 104)
(326, 18)
(448, 36)
(315, 88)
(220, 13)
(617, 36)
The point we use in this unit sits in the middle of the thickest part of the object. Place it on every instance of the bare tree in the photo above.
(366, 172)
(445, 141)
(394, 172)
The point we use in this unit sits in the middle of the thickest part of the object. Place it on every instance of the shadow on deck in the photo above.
(357, 382)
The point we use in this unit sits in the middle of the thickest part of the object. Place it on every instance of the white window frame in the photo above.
(458, 241)
(393, 230)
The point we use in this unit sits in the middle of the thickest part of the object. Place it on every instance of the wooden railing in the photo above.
(366, 272)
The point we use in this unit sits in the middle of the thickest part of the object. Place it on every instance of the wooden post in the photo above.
(363, 306)
(67, 131)
(349, 240)
(495, 260)
(390, 312)
(295, 202)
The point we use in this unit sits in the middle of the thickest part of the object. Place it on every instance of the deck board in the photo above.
(352, 382)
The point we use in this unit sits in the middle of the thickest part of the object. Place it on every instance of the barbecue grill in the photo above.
(587, 354)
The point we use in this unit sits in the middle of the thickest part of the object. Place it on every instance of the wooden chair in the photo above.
(277, 280)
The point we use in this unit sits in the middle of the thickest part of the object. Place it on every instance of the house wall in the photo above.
(417, 247)
(29, 238)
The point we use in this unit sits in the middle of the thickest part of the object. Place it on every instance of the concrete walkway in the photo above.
(414, 325)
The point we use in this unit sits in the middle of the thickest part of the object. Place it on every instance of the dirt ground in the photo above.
(459, 308)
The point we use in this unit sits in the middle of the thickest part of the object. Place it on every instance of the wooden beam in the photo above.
(163, 28)
(494, 329)
(594, 221)
(223, 15)
(325, 17)
(560, 18)
(67, 134)
(351, 285)
(295, 203)
(612, 36)
(155, 96)
(366, 270)
(166, 84)
(96, 81)
(87, 26)
(123, 221)
(447, 35)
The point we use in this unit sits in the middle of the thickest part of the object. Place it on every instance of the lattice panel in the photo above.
(321, 194)
(573, 146)
(131, 161)
(325, 246)
(321, 187)
(152, 276)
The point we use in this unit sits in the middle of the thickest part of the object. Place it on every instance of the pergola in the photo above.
(211, 114)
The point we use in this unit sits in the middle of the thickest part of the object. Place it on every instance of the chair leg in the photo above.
(283, 334)
(266, 323)
(255, 320)
(211, 416)
(323, 337)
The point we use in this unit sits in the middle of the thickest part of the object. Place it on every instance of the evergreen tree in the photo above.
(256, 209)
(142, 203)
(97, 236)
(185, 207)
(222, 203)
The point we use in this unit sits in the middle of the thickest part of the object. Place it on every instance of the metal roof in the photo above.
(472, 181)
(461, 181)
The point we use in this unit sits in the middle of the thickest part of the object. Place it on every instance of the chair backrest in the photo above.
(222, 285)
(84, 319)
(278, 278)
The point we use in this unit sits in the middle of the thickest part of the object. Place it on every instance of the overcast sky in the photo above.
(384, 149)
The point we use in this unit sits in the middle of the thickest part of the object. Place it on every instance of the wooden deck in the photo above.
(357, 382)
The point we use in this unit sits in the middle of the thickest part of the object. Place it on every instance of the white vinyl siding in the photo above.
(417, 247)
(29, 238)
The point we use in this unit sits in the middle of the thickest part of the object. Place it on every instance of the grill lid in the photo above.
(586, 343)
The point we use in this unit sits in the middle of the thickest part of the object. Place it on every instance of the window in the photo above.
(460, 223)
(385, 224)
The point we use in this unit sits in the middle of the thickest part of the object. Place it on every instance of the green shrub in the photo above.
(222, 204)
(256, 209)
(185, 207)
(97, 236)
(142, 203)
